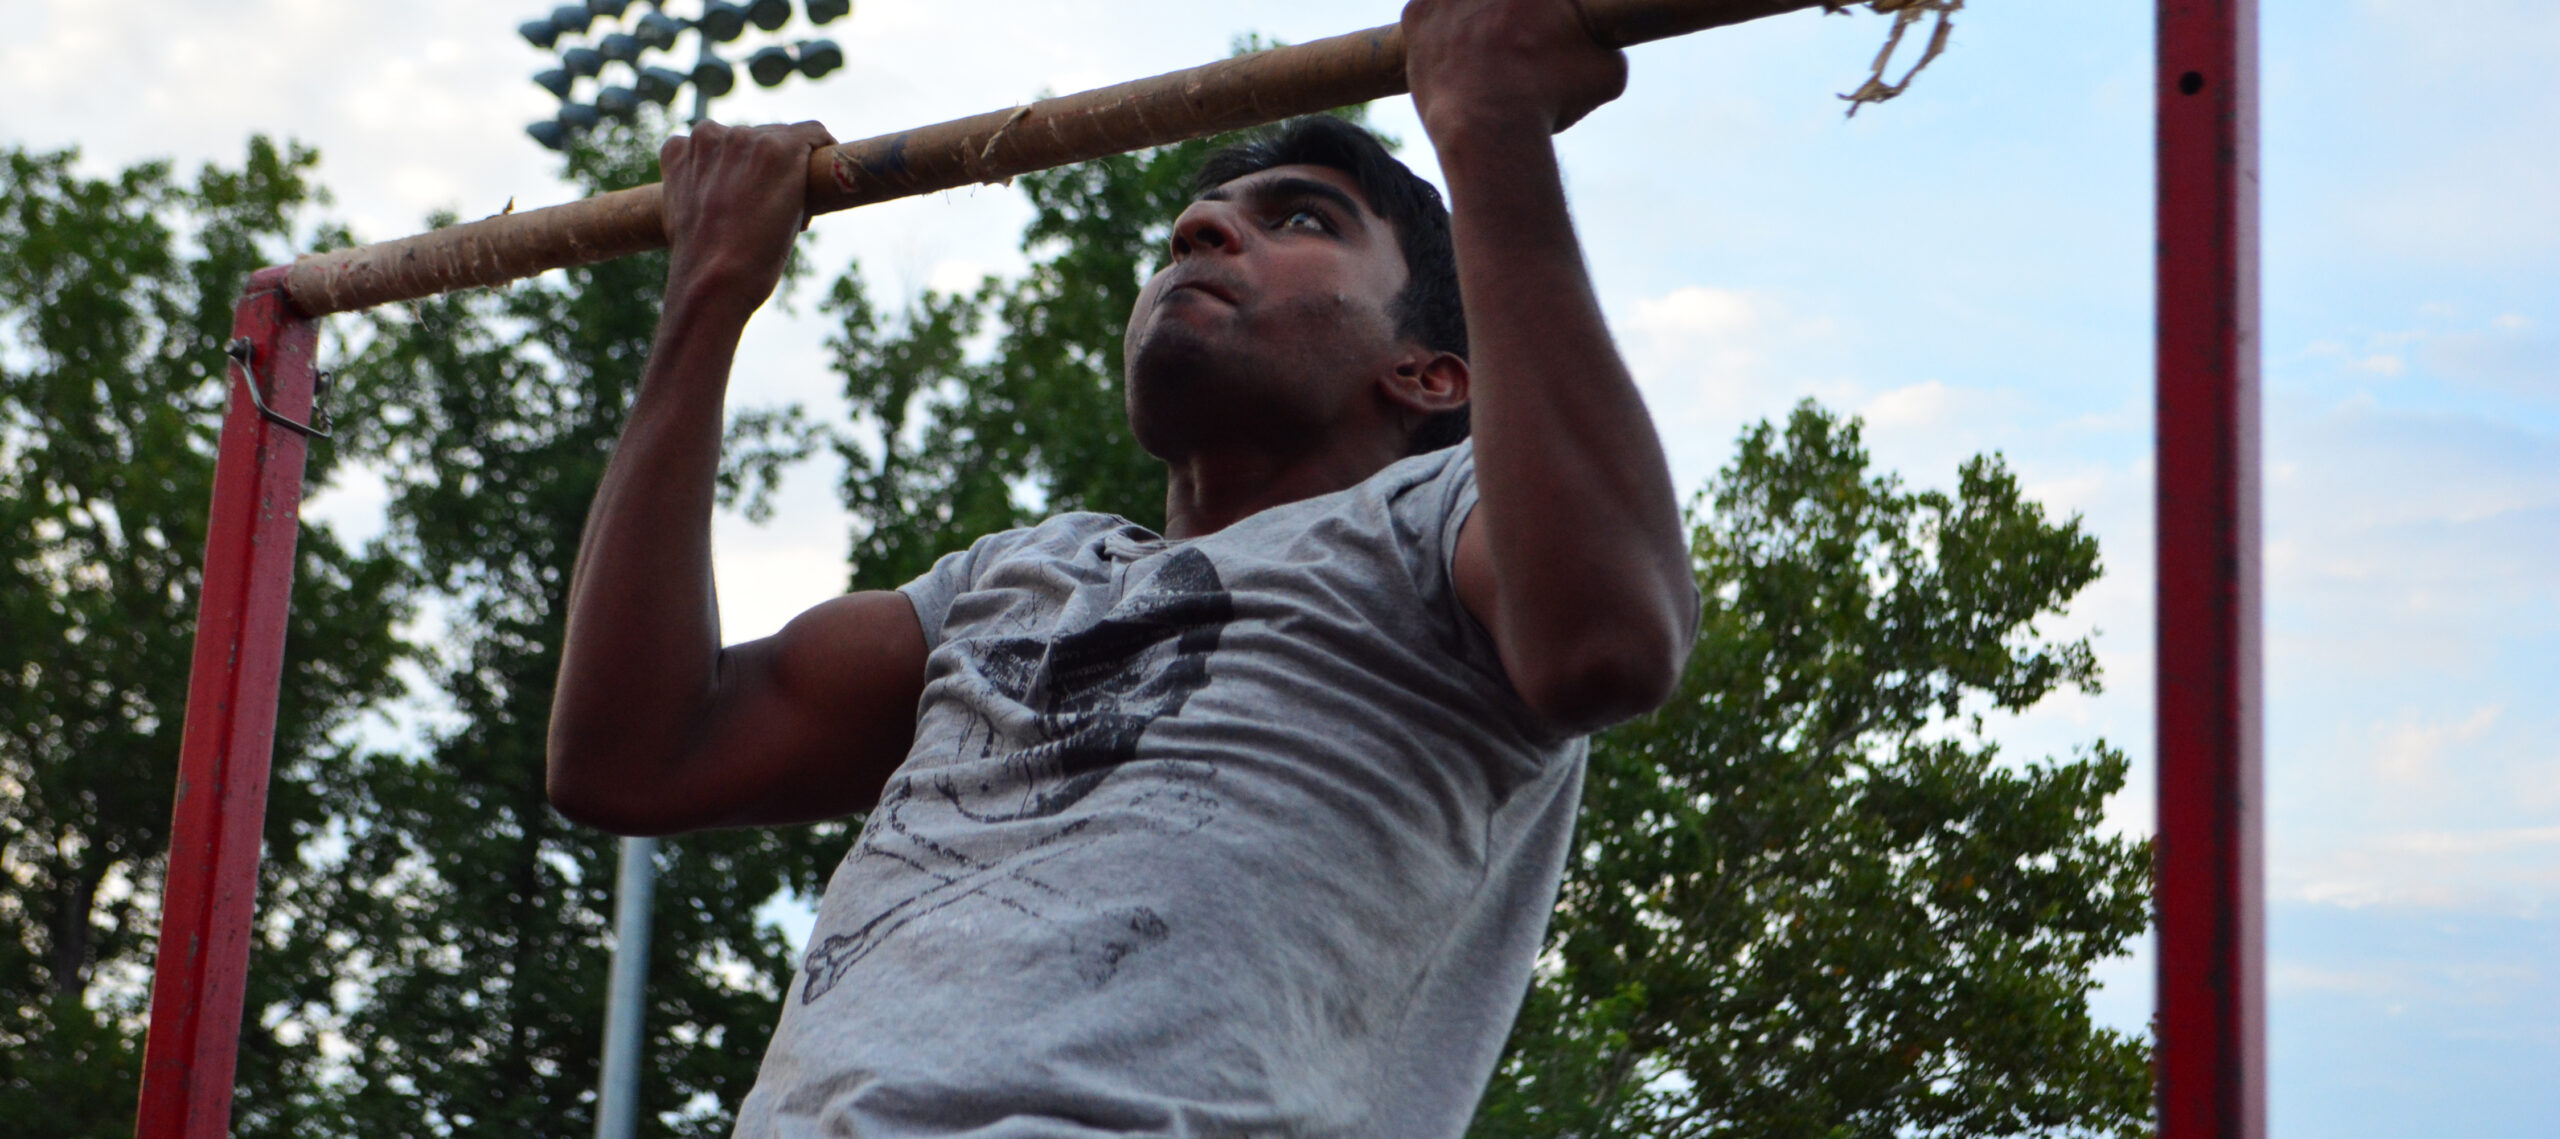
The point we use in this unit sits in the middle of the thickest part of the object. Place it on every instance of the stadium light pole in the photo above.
(618, 37)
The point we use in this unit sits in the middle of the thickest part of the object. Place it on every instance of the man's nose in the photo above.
(1205, 227)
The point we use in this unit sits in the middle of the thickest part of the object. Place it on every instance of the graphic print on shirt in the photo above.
(1069, 707)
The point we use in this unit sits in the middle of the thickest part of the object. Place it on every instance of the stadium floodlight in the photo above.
(657, 31)
(713, 77)
(722, 20)
(556, 81)
(825, 11)
(579, 116)
(540, 33)
(770, 66)
(818, 57)
(610, 9)
(582, 61)
(549, 133)
(658, 84)
(618, 103)
(620, 47)
(570, 19)
(769, 14)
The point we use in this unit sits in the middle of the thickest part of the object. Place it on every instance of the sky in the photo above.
(1967, 268)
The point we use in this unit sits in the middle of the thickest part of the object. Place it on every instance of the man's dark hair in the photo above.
(1427, 311)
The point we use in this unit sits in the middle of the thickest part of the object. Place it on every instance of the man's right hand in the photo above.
(656, 728)
(734, 198)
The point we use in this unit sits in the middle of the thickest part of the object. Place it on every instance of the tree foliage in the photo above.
(1809, 898)
(115, 298)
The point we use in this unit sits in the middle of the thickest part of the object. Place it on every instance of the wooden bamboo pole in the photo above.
(1231, 94)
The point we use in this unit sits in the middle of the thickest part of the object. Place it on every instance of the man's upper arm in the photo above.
(1605, 675)
(810, 722)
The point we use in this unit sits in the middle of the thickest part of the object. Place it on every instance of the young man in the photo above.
(1248, 828)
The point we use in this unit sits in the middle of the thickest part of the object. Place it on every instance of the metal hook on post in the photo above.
(239, 352)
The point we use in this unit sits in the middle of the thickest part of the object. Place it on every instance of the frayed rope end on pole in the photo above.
(1906, 13)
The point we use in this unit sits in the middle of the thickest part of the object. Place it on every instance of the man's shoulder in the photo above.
(1455, 460)
(1430, 482)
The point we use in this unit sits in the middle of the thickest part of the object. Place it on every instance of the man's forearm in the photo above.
(1577, 506)
(640, 660)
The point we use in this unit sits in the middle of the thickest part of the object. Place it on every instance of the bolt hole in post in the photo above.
(2191, 82)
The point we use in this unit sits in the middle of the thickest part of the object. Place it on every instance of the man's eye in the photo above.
(1302, 219)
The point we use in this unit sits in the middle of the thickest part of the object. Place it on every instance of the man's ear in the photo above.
(1426, 383)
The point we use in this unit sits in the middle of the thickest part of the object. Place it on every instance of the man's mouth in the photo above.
(1205, 286)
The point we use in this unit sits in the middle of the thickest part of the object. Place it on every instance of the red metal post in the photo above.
(2212, 1021)
(212, 885)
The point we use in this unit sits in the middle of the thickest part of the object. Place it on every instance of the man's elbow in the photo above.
(586, 805)
(579, 787)
(1606, 676)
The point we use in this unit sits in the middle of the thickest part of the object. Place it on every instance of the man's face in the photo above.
(1271, 324)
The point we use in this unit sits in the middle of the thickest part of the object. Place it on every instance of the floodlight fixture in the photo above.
(549, 133)
(770, 66)
(540, 33)
(713, 77)
(620, 47)
(610, 9)
(826, 11)
(579, 116)
(556, 81)
(769, 14)
(570, 19)
(657, 31)
(582, 61)
(618, 103)
(818, 57)
(658, 84)
(722, 20)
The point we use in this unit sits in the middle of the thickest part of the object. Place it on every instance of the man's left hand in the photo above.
(1505, 65)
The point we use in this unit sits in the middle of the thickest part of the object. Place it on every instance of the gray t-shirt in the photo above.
(1241, 835)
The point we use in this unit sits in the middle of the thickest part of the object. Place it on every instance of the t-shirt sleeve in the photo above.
(933, 591)
(1430, 515)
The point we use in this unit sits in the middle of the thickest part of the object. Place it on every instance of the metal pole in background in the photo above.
(2212, 983)
(209, 898)
(635, 890)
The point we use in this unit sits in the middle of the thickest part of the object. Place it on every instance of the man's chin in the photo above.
(1179, 382)
(1176, 358)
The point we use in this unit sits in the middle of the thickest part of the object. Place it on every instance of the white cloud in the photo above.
(1711, 360)
(2414, 752)
(2511, 870)
(1921, 405)
(2284, 978)
(2401, 539)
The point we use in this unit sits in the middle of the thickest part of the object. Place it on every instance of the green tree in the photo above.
(1808, 897)
(115, 298)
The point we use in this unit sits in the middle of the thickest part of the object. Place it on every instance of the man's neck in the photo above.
(1208, 492)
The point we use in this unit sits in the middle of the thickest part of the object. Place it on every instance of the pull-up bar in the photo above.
(1232, 94)
(2211, 1022)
